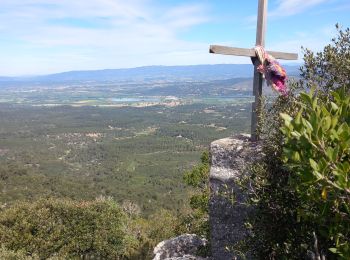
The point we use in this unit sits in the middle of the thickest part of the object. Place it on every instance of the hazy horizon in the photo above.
(127, 68)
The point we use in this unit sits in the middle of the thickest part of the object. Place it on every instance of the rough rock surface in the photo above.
(228, 210)
(179, 248)
(187, 257)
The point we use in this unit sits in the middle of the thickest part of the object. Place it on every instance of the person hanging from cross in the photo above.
(264, 63)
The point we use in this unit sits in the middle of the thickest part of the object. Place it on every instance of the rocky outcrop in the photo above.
(229, 209)
(229, 184)
(179, 248)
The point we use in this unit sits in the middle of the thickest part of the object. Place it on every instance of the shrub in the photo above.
(197, 221)
(149, 232)
(276, 233)
(329, 69)
(64, 228)
(289, 223)
(19, 255)
(317, 151)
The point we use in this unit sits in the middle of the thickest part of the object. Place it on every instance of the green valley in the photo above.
(129, 153)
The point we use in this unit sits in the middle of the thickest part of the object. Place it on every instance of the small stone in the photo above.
(179, 247)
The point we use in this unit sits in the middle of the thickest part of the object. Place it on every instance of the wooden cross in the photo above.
(258, 79)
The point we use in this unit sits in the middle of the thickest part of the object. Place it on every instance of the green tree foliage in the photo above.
(149, 232)
(19, 255)
(329, 69)
(317, 151)
(300, 213)
(198, 179)
(140, 155)
(64, 228)
(197, 221)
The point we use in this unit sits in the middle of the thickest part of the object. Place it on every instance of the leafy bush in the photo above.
(149, 232)
(12, 255)
(329, 69)
(197, 220)
(317, 151)
(165, 224)
(299, 214)
(275, 230)
(64, 228)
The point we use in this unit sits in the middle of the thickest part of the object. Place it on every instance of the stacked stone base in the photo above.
(229, 209)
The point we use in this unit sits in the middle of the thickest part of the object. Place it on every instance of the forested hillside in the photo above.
(136, 154)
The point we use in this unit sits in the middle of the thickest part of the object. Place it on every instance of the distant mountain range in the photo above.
(169, 73)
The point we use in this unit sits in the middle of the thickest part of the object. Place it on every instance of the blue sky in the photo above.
(47, 36)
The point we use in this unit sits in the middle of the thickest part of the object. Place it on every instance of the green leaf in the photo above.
(326, 123)
(334, 121)
(335, 153)
(314, 121)
(313, 164)
(298, 117)
(333, 250)
(307, 125)
(318, 175)
(314, 103)
(345, 135)
(329, 153)
(325, 111)
(345, 166)
(295, 134)
(286, 117)
(336, 96)
(334, 106)
(342, 128)
(334, 134)
(306, 98)
(296, 156)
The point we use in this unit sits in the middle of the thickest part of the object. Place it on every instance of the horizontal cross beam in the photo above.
(217, 49)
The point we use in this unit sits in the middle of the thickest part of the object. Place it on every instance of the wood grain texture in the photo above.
(261, 23)
(258, 81)
(218, 49)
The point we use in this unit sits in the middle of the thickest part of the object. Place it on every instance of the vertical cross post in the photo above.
(258, 79)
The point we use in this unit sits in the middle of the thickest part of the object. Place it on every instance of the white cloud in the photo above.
(185, 16)
(292, 7)
(45, 36)
(133, 34)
